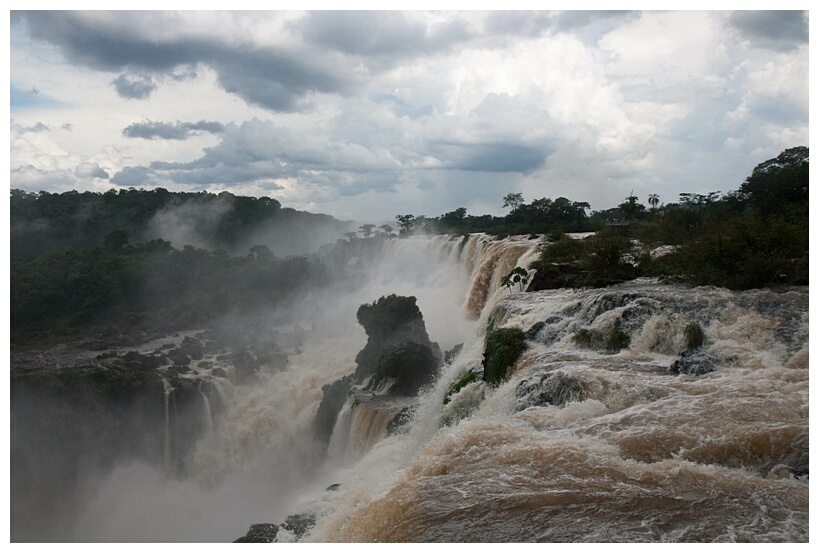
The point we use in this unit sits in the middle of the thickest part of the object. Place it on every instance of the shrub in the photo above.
(503, 347)
(693, 335)
(387, 314)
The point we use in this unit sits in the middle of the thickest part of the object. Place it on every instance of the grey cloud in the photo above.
(537, 23)
(521, 23)
(380, 34)
(495, 157)
(68, 127)
(137, 87)
(273, 79)
(132, 176)
(106, 46)
(38, 127)
(29, 177)
(401, 108)
(91, 170)
(775, 30)
(571, 20)
(171, 131)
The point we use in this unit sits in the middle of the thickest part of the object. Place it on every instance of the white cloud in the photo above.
(586, 106)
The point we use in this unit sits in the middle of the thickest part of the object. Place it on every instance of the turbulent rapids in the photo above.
(581, 442)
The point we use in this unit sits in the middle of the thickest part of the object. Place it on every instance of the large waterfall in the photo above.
(581, 442)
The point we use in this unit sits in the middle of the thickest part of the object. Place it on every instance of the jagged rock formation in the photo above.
(398, 357)
(398, 345)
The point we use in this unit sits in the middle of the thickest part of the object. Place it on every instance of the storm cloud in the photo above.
(171, 131)
(361, 112)
(777, 30)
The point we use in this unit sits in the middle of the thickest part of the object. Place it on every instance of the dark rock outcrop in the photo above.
(335, 395)
(393, 322)
(266, 532)
(398, 352)
(193, 348)
(694, 363)
(555, 388)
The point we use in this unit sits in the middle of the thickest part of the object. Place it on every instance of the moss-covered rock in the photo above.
(693, 335)
(613, 341)
(617, 340)
(503, 347)
(456, 387)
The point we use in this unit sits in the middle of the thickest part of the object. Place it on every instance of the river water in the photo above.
(579, 444)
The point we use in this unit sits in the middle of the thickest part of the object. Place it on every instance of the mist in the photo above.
(251, 455)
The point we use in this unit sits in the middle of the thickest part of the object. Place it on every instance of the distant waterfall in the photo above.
(166, 449)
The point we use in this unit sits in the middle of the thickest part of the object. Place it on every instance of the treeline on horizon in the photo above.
(76, 258)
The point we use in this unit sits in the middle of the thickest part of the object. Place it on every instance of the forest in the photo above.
(91, 261)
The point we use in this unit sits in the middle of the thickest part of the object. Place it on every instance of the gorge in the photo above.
(587, 435)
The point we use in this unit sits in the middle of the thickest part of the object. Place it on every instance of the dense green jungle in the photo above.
(106, 262)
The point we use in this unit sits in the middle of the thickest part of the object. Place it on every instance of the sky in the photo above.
(367, 115)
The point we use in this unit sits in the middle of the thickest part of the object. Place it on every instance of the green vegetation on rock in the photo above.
(613, 341)
(503, 347)
(459, 385)
(693, 335)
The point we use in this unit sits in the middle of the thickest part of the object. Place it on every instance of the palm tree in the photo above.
(653, 201)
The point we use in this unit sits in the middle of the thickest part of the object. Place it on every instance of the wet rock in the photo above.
(556, 388)
(247, 367)
(192, 348)
(335, 395)
(178, 358)
(260, 533)
(266, 532)
(276, 361)
(694, 363)
(535, 329)
(450, 355)
(177, 370)
(398, 345)
(397, 424)
(219, 372)
(132, 358)
(300, 524)
(411, 365)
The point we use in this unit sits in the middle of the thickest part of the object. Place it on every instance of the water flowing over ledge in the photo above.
(590, 437)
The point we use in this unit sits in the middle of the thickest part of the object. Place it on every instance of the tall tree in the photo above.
(513, 200)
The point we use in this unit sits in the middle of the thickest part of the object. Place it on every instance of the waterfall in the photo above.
(166, 448)
(358, 428)
(208, 414)
(588, 441)
(582, 441)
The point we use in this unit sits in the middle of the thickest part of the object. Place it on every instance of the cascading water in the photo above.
(592, 444)
(166, 450)
(581, 442)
